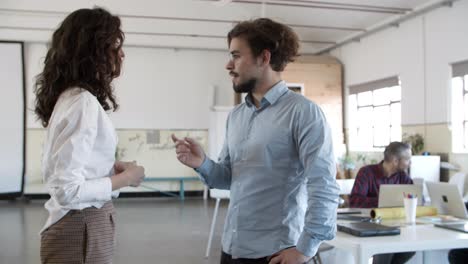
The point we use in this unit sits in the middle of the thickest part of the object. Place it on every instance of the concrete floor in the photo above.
(149, 230)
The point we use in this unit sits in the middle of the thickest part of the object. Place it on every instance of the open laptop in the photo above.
(391, 195)
(447, 199)
(366, 229)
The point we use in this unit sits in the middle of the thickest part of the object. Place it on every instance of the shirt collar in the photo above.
(271, 96)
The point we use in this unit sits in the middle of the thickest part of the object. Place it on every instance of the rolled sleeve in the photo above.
(308, 245)
(97, 190)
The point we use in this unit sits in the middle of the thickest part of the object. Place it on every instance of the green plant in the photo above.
(347, 162)
(416, 141)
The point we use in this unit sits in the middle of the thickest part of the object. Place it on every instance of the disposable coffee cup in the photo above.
(410, 209)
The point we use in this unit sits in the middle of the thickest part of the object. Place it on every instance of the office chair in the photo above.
(459, 180)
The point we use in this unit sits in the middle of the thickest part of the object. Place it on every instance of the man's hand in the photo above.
(189, 152)
(289, 256)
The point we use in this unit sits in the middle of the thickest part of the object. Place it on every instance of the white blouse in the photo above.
(79, 155)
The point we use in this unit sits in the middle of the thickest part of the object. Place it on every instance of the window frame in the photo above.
(459, 115)
(354, 135)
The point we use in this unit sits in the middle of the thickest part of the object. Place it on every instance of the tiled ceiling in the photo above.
(203, 24)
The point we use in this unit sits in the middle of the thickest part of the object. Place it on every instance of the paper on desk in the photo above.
(441, 219)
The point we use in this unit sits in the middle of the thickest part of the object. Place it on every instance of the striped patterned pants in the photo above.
(81, 236)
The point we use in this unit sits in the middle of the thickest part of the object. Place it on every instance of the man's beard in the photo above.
(245, 87)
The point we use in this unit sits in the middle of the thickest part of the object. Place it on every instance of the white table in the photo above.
(419, 237)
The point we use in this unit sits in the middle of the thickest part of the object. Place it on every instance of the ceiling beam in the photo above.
(59, 13)
(400, 9)
(393, 23)
(323, 5)
(190, 35)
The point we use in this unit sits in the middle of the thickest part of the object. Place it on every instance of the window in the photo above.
(375, 114)
(295, 87)
(460, 107)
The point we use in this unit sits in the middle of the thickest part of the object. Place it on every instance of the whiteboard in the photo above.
(12, 116)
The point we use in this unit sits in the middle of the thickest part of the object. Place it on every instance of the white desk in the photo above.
(412, 238)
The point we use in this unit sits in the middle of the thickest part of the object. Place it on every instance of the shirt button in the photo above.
(233, 230)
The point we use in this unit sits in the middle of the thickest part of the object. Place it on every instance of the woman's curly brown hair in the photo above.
(266, 34)
(84, 52)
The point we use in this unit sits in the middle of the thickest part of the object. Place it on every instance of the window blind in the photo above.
(460, 69)
(374, 85)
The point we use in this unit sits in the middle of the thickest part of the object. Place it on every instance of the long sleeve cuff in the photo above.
(308, 245)
(205, 167)
(96, 190)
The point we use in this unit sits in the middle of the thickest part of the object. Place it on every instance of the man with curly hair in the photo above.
(277, 157)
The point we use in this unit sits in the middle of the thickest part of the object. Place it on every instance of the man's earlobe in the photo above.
(266, 57)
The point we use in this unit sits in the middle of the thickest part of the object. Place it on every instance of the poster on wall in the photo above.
(12, 116)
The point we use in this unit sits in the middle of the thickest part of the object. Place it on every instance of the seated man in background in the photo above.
(365, 194)
(392, 170)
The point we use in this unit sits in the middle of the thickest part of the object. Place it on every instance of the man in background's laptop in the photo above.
(365, 194)
(391, 195)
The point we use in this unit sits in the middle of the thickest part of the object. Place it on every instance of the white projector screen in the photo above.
(12, 116)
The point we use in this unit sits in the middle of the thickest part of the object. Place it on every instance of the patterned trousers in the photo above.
(81, 236)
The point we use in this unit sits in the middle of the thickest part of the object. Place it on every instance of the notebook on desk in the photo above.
(367, 229)
(348, 211)
(457, 227)
(351, 217)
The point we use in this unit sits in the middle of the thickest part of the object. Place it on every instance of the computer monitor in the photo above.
(426, 168)
(391, 195)
(447, 199)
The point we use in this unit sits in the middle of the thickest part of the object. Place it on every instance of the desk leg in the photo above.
(361, 257)
(182, 191)
(205, 192)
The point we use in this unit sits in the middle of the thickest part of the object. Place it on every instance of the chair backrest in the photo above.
(346, 186)
(459, 180)
(221, 194)
(422, 182)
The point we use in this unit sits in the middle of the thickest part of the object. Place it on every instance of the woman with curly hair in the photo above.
(73, 93)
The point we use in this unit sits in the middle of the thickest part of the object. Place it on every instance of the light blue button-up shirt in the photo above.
(278, 162)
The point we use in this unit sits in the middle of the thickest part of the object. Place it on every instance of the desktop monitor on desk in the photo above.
(426, 168)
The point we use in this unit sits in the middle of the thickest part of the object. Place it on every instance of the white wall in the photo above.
(420, 52)
(158, 89)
